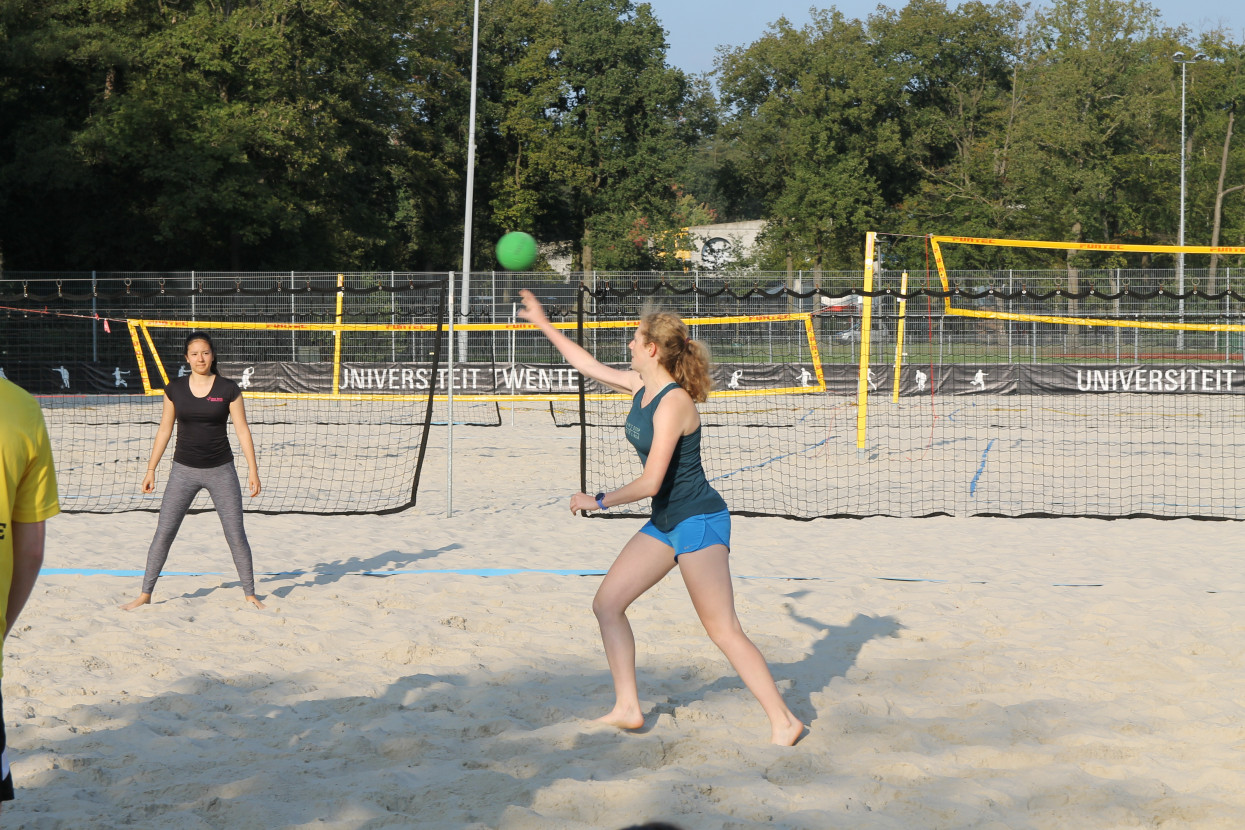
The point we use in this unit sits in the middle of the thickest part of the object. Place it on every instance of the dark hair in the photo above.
(206, 338)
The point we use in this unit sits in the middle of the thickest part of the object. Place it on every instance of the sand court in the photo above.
(985, 673)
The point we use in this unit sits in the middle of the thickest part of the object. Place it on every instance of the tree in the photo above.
(619, 115)
(817, 130)
(961, 103)
(1096, 109)
(55, 210)
(257, 134)
(1220, 99)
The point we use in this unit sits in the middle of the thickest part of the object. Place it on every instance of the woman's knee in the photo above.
(726, 632)
(606, 606)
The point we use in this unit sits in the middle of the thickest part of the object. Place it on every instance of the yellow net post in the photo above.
(337, 335)
(903, 304)
(866, 323)
(138, 353)
(814, 352)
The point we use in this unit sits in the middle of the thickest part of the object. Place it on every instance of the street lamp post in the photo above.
(1179, 57)
(466, 275)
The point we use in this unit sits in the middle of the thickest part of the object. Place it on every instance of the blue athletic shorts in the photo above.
(694, 533)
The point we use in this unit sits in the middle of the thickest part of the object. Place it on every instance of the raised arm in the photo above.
(575, 354)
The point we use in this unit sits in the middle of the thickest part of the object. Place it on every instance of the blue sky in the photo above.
(697, 27)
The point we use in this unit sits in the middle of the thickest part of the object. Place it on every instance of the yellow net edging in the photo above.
(140, 333)
(937, 241)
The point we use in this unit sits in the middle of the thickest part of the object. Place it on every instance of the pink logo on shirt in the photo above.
(216, 400)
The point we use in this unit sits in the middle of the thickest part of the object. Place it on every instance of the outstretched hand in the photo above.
(532, 310)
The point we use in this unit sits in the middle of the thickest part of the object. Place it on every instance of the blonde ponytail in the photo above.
(685, 359)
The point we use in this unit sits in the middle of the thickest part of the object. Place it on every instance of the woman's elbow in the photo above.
(648, 488)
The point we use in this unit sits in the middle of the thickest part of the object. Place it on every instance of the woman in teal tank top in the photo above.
(690, 526)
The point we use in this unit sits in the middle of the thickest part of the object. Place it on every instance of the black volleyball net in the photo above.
(341, 382)
(1094, 391)
(944, 378)
(1067, 380)
(771, 429)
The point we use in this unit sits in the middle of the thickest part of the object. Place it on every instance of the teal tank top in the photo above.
(685, 490)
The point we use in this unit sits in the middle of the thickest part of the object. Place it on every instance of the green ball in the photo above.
(516, 251)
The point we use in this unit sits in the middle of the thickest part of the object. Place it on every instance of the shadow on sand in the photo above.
(470, 748)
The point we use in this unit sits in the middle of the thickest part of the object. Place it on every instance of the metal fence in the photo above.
(70, 309)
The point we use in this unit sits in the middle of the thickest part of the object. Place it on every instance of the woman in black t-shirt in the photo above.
(201, 404)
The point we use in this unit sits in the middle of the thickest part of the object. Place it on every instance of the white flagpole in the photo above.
(471, 176)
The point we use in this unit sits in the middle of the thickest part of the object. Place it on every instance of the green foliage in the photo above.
(620, 116)
(974, 121)
(309, 134)
(267, 134)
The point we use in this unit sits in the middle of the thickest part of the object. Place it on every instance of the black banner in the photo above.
(484, 378)
(1135, 379)
(74, 378)
(1043, 379)
(80, 378)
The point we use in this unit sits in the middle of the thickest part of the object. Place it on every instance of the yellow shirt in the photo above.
(27, 478)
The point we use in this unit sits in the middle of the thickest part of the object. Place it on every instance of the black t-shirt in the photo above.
(201, 437)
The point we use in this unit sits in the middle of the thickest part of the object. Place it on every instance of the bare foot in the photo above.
(789, 734)
(254, 600)
(623, 718)
(143, 599)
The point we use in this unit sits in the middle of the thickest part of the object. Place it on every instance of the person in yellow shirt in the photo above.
(27, 499)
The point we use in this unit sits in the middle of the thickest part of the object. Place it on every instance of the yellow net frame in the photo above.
(936, 243)
(140, 333)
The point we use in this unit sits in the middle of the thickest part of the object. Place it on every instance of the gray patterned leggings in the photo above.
(184, 484)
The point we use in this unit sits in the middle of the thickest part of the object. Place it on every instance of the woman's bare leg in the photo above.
(641, 565)
(708, 578)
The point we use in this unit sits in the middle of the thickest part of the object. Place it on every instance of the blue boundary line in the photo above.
(405, 572)
(972, 487)
(460, 571)
(773, 460)
(486, 572)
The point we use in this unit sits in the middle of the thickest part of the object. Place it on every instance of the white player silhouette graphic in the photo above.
(245, 382)
(734, 381)
(921, 379)
(873, 384)
(64, 373)
(183, 370)
(2, 374)
(805, 377)
(979, 380)
(117, 379)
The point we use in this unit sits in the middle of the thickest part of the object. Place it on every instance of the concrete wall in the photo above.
(740, 238)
